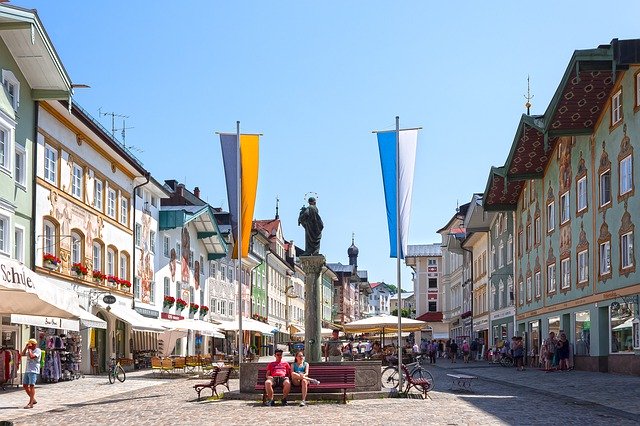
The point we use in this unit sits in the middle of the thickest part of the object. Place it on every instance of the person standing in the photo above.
(549, 351)
(465, 351)
(518, 354)
(453, 349)
(433, 350)
(333, 348)
(474, 349)
(33, 354)
(563, 352)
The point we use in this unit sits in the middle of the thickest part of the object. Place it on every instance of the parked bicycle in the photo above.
(391, 376)
(115, 371)
(506, 360)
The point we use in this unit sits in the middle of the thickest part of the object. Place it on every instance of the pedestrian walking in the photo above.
(453, 348)
(474, 349)
(433, 351)
(33, 354)
(549, 350)
(518, 354)
(563, 352)
(465, 351)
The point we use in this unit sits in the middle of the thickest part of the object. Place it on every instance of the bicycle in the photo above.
(115, 371)
(506, 360)
(390, 375)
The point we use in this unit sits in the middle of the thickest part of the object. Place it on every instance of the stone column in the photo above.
(312, 267)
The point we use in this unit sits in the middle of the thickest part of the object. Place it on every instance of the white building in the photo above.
(379, 299)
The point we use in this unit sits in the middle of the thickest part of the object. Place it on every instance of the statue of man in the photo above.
(310, 220)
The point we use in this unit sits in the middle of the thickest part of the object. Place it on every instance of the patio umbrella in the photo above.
(248, 324)
(203, 327)
(324, 332)
(168, 340)
(383, 323)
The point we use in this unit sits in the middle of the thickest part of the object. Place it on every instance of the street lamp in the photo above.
(288, 296)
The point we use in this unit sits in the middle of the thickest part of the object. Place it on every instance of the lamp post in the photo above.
(288, 296)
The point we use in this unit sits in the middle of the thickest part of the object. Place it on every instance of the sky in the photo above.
(316, 78)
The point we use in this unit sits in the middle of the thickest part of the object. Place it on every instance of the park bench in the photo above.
(219, 377)
(463, 381)
(331, 378)
(422, 384)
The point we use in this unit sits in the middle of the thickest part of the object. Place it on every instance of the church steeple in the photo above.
(353, 251)
(277, 207)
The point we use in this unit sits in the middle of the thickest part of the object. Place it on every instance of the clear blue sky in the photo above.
(316, 78)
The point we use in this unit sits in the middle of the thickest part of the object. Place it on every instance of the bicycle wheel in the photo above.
(112, 376)
(421, 373)
(119, 373)
(506, 361)
(390, 378)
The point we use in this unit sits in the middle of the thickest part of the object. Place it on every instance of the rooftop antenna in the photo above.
(113, 120)
(528, 96)
(277, 207)
(123, 132)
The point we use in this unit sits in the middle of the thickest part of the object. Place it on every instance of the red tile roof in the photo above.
(431, 317)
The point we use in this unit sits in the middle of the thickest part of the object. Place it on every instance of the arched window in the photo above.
(98, 255)
(124, 266)
(76, 246)
(111, 261)
(49, 237)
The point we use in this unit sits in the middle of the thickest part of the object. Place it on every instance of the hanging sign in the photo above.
(109, 299)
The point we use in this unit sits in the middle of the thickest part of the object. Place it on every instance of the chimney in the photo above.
(196, 192)
(180, 190)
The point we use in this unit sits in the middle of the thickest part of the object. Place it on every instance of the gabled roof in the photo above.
(339, 268)
(501, 194)
(424, 250)
(203, 219)
(270, 226)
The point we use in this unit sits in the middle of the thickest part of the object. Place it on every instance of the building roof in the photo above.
(424, 250)
(340, 268)
(270, 226)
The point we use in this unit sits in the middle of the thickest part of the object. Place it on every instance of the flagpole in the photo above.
(398, 251)
(239, 242)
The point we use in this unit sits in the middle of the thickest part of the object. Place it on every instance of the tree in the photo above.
(406, 312)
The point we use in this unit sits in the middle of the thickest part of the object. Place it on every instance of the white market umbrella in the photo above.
(383, 323)
(627, 324)
(167, 340)
(203, 327)
(324, 332)
(24, 292)
(248, 324)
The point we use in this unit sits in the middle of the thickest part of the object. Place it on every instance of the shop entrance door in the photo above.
(10, 337)
(101, 345)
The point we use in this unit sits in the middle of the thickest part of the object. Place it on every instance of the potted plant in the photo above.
(79, 269)
(203, 310)
(98, 276)
(50, 261)
(125, 285)
(113, 280)
(168, 302)
(180, 304)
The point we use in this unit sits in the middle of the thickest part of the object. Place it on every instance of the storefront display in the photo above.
(9, 367)
(621, 323)
(62, 354)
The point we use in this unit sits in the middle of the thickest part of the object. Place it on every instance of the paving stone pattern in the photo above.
(499, 396)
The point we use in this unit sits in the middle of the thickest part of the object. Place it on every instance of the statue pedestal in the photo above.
(312, 267)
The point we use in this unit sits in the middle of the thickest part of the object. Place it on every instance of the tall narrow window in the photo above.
(97, 194)
(5, 148)
(124, 267)
(565, 271)
(111, 262)
(500, 254)
(97, 256)
(626, 175)
(509, 249)
(178, 251)
(536, 230)
(565, 212)
(582, 194)
(551, 216)
(537, 282)
(616, 107)
(529, 289)
(166, 242)
(626, 250)
(21, 165)
(152, 241)
(167, 286)
(605, 188)
(4, 234)
(111, 203)
(138, 235)
(76, 181)
(12, 88)
(18, 244)
(551, 278)
(124, 211)
(76, 248)
(605, 258)
(583, 266)
(50, 164)
(49, 238)
(529, 237)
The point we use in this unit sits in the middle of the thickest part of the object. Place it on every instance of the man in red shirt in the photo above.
(278, 373)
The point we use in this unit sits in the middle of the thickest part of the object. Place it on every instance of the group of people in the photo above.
(556, 352)
(281, 374)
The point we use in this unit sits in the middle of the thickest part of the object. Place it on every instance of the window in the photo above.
(76, 248)
(529, 237)
(583, 266)
(626, 175)
(605, 188)
(616, 107)
(49, 238)
(152, 241)
(529, 289)
(21, 165)
(565, 213)
(154, 201)
(626, 250)
(152, 292)
(138, 235)
(18, 244)
(201, 265)
(136, 287)
(124, 266)
(536, 230)
(551, 278)
(231, 311)
(433, 283)
(433, 306)
(213, 308)
(167, 286)
(605, 258)
(178, 252)
(583, 333)
(223, 307)
(111, 262)
(4, 234)
(97, 194)
(97, 256)
(177, 289)
(551, 216)
(76, 181)
(50, 164)
(521, 293)
(510, 249)
(191, 259)
(212, 269)
(111, 203)
(520, 243)
(565, 271)
(500, 256)
(12, 88)
(432, 262)
(582, 194)
(124, 211)
(537, 282)
(5, 148)
(201, 297)
(166, 242)
(638, 89)
(512, 298)
(621, 331)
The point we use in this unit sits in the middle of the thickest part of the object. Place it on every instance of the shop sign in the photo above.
(149, 313)
(432, 269)
(14, 278)
(109, 299)
(171, 317)
(46, 322)
(432, 296)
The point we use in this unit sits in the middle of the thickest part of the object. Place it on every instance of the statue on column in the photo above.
(310, 220)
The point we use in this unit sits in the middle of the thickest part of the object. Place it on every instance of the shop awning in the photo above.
(248, 324)
(137, 321)
(24, 292)
(203, 327)
(46, 322)
(88, 320)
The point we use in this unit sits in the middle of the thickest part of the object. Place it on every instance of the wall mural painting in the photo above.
(144, 271)
(564, 154)
(71, 216)
(185, 249)
(172, 264)
(196, 274)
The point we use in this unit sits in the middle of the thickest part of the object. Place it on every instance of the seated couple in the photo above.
(279, 372)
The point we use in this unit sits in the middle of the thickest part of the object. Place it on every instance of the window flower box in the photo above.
(204, 310)
(168, 301)
(98, 276)
(180, 305)
(50, 261)
(79, 269)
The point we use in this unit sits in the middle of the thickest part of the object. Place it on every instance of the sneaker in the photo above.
(303, 404)
(271, 403)
(284, 402)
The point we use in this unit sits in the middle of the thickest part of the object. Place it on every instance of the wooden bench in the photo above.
(422, 384)
(219, 377)
(463, 381)
(331, 378)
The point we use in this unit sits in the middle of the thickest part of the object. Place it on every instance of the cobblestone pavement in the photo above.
(499, 396)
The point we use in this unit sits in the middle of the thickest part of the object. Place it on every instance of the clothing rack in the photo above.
(10, 367)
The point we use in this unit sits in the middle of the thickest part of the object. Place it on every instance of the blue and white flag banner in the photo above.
(408, 142)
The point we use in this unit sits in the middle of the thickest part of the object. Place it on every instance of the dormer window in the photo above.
(12, 88)
(616, 108)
